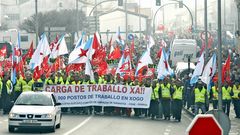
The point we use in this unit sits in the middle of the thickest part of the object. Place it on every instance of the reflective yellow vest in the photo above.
(73, 83)
(166, 91)
(18, 86)
(66, 82)
(58, 79)
(50, 82)
(226, 93)
(8, 85)
(215, 93)
(86, 82)
(27, 86)
(236, 91)
(178, 93)
(200, 95)
(155, 95)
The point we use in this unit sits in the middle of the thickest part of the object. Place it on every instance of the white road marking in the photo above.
(78, 126)
(185, 115)
(5, 120)
(1, 122)
(166, 133)
(168, 130)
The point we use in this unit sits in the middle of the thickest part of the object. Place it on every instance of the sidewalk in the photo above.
(235, 123)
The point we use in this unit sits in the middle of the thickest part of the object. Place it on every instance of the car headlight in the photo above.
(47, 115)
(12, 115)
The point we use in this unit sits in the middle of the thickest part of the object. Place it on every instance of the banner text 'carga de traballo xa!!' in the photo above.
(101, 95)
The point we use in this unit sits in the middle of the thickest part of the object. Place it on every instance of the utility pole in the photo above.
(206, 28)
(96, 14)
(140, 22)
(77, 20)
(195, 15)
(126, 18)
(36, 23)
(219, 55)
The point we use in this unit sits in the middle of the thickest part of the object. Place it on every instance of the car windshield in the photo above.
(34, 99)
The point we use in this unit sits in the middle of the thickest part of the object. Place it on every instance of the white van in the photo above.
(182, 69)
(181, 49)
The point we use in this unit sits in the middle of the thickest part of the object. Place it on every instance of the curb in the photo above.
(189, 112)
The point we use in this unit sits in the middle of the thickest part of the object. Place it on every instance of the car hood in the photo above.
(22, 109)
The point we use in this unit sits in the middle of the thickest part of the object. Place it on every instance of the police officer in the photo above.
(5, 92)
(214, 95)
(51, 80)
(165, 97)
(17, 87)
(153, 110)
(65, 80)
(75, 81)
(200, 94)
(108, 110)
(42, 80)
(227, 92)
(177, 101)
(136, 110)
(236, 99)
(58, 78)
(27, 84)
(97, 109)
(87, 80)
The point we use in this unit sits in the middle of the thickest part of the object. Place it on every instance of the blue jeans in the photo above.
(201, 106)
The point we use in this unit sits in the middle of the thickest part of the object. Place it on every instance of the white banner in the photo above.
(101, 95)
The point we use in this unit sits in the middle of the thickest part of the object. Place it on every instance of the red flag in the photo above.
(95, 44)
(102, 68)
(44, 64)
(29, 53)
(132, 49)
(126, 51)
(116, 54)
(225, 72)
(20, 68)
(37, 73)
(159, 53)
(110, 42)
(3, 51)
(54, 43)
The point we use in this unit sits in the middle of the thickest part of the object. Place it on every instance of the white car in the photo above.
(35, 110)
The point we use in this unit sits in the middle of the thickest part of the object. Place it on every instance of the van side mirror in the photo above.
(57, 104)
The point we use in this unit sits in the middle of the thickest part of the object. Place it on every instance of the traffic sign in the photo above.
(204, 124)
(209, 35)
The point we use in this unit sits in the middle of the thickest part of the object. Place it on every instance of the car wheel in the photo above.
(11, 129)
(59, 124)
(53, 128)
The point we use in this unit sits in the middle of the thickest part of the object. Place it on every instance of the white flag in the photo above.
(60, 48)
(88, 70)
(209, 70)
(144, 61)
(42, 51)
(198, 70)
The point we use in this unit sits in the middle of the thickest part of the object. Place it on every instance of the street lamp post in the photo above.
(77, 20)
(219, 56)
(126, 18)
(36, 23)
(206, 28)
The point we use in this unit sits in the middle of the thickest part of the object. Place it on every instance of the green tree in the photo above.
(4, 26)
(63, 18)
